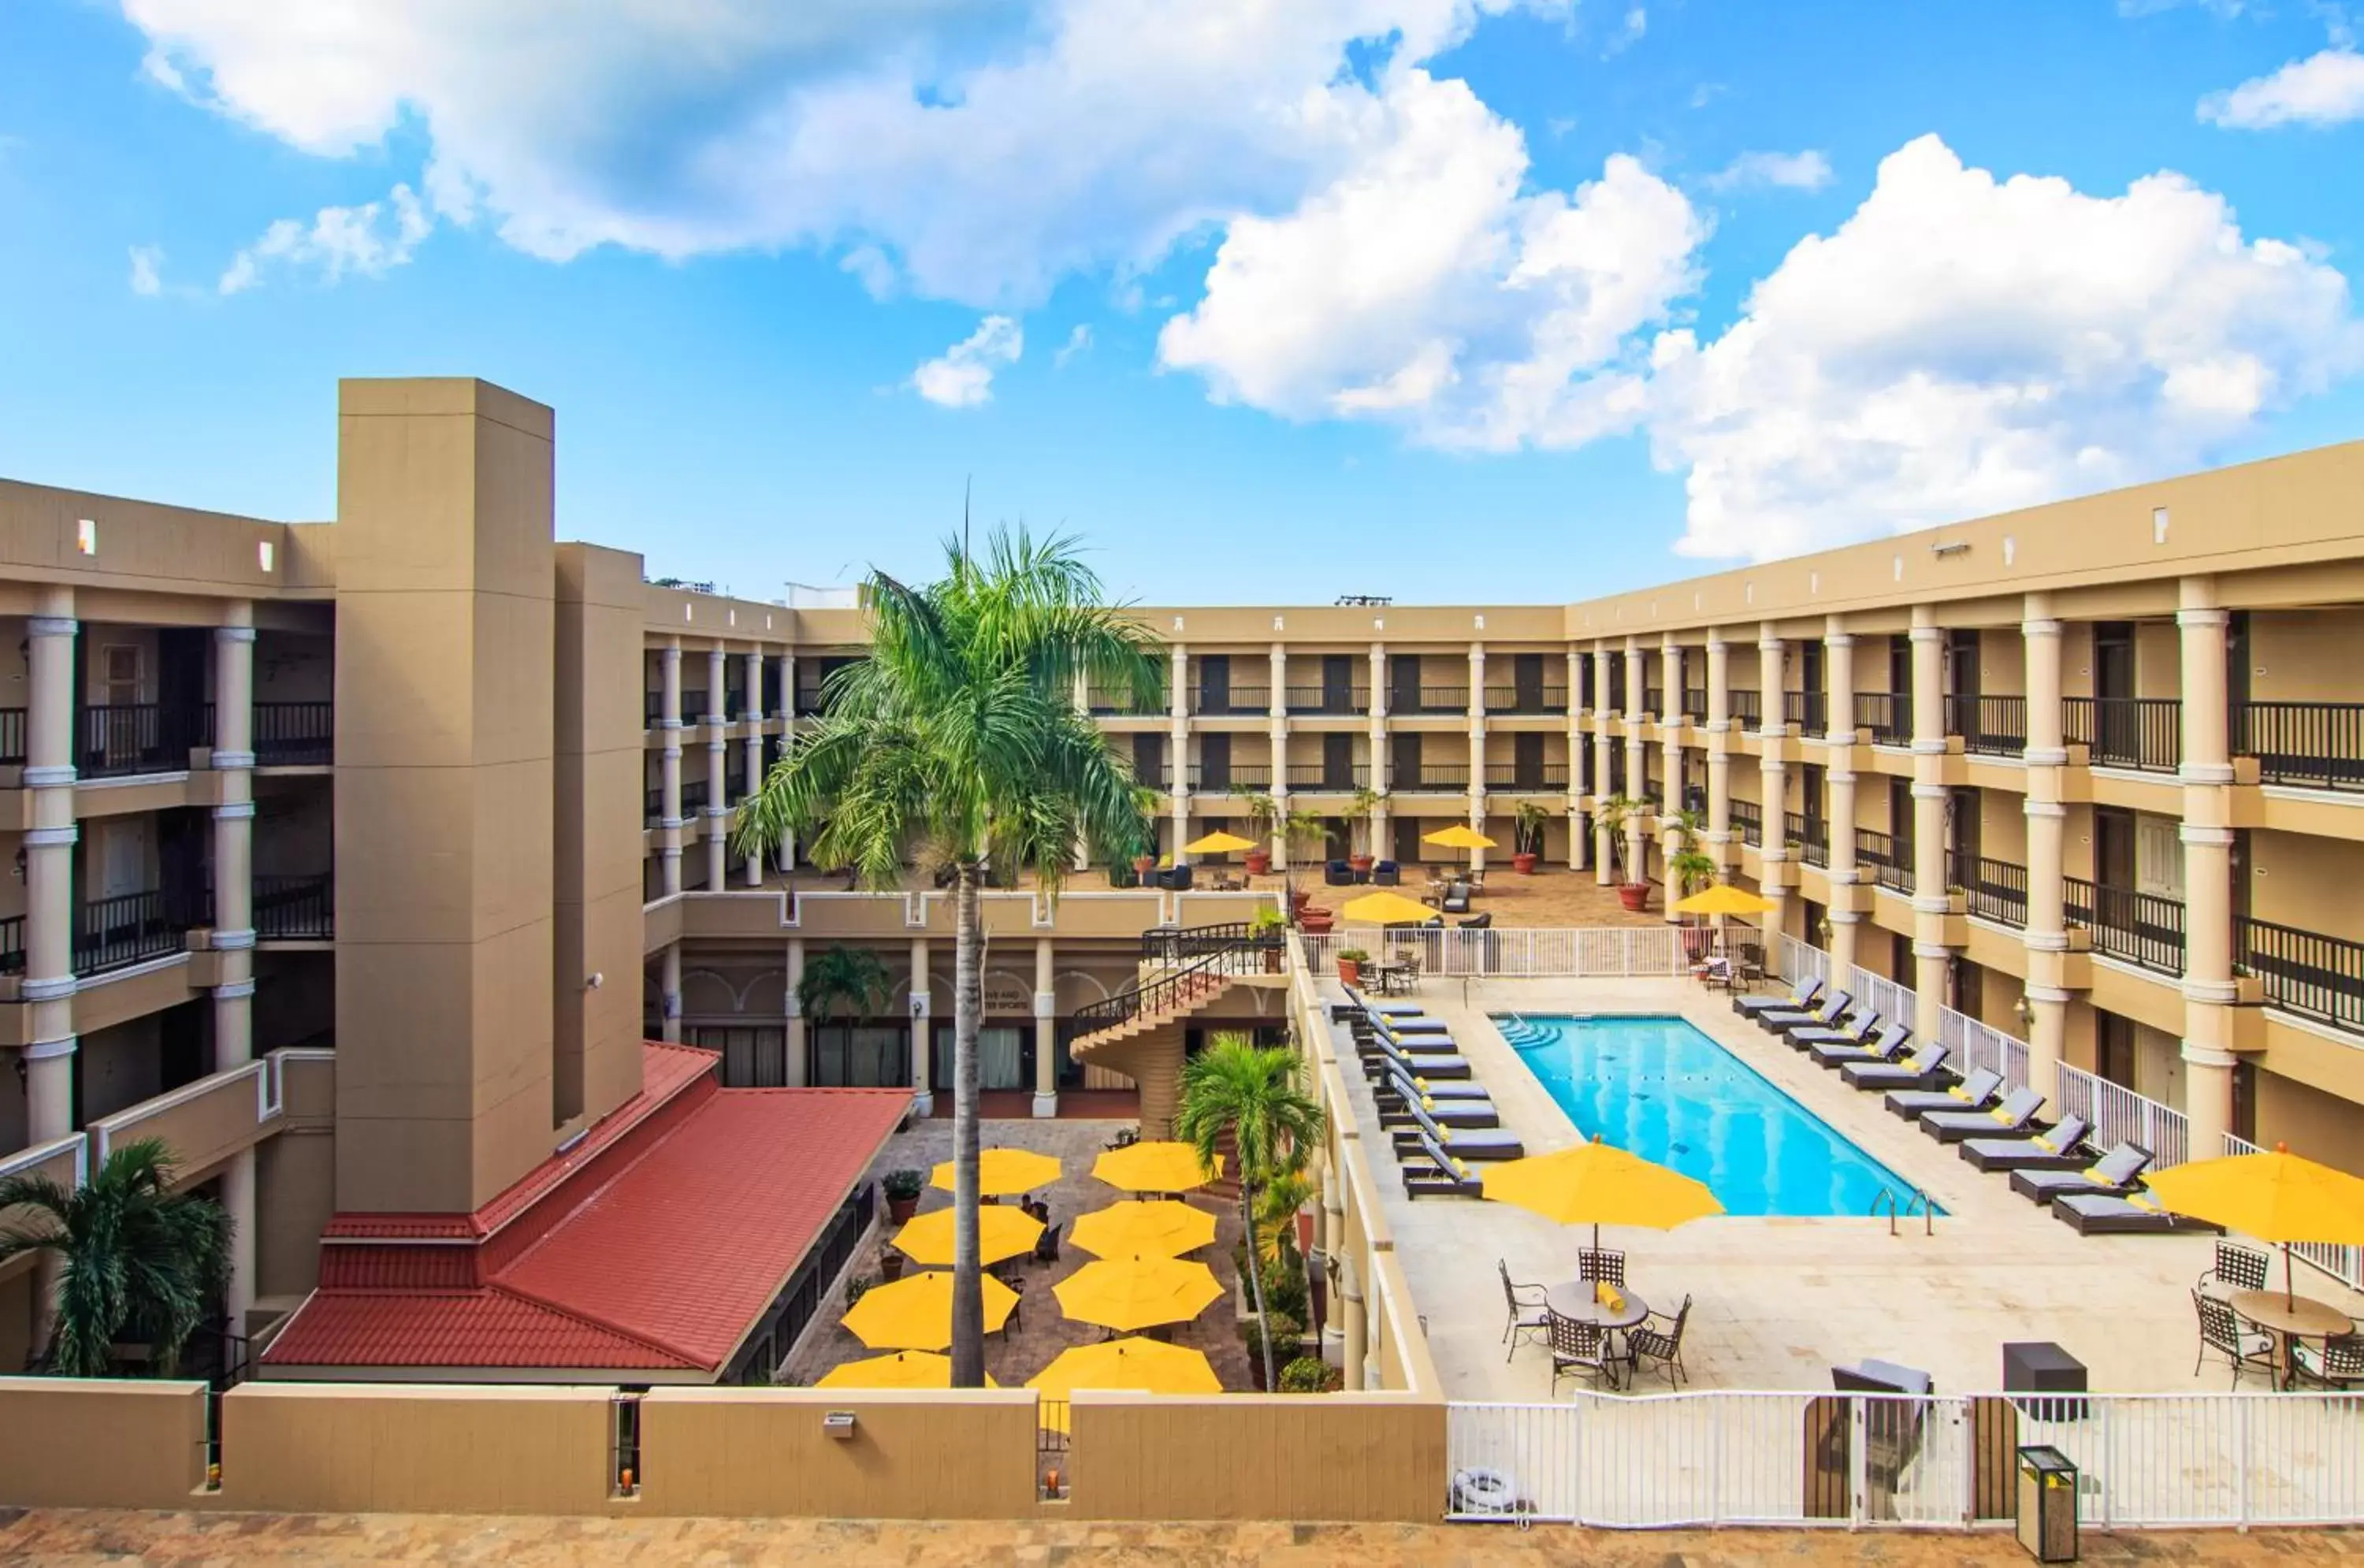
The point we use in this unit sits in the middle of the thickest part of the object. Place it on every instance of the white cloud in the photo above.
(338, 239)
(1962, 345)
(1807, 171)
(1078, 343)
(1629, 32)
(147, 271)
(2323, 89)
(962, 376)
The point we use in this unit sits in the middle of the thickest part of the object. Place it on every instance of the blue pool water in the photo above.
(1659, 1088)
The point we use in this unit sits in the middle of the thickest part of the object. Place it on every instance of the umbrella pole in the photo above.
(2289, 1289)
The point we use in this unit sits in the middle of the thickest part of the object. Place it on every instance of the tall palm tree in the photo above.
(139, 1261)
(959, 737)
(1252, 1092)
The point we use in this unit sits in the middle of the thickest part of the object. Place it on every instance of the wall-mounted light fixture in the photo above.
(1950, 546)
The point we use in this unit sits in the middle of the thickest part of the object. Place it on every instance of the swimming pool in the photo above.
(1659, 1088)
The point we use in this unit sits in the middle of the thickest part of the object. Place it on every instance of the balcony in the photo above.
(2140, 929)
(133, 928)
(1530, 700)
(1743, 704)
(1230, 702)
(1810, 836)
(2312, 745)
(1695, 703)
(1989, 726)
(693, 706)
(811, 700)
(2143, 733)
(119, 739)
(1321, 777)
(1104, 702)
(1992, 890)
(1806, 710)
(1160, 777)
(651, 709)
(1431, 778)
(204, 1122)
(1889, 862)
(1341, 701)
(1435, 700)
(654, 812)
(295, 908)
(2303, 972)
(693, 797)
(1888, 715)
(1237, 779)
(1748, 822)
(12, 945)
(294, 734)
(1653, 700)
(12, 736)
(1509, 778)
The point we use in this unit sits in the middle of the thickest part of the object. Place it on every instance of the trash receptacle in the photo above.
(2048, 1504)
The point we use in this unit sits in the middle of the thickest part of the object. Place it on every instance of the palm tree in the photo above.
(853, 978)
(138, 1260)
(1250, 1092)
(959, 736)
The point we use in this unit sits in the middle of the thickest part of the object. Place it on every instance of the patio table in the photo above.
(1577, 1298)
(2288, 1319)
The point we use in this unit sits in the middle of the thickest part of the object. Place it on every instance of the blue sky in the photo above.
(1448, 299)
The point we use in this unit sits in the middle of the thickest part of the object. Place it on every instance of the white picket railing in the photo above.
(1745, 1458)
(2120, 1116)
(1977, 1045)
(1797, 962)
(2344, 1264)
(1889, 999)
(1583, 952)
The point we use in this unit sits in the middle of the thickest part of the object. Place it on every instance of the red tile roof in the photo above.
(663, 1262)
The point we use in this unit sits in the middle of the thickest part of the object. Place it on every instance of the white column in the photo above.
(1839, 740)
(2046, 936)
(1670, 763)
(799, 1041)
(923, 1094)
(1046, 1029)
(669, 991)
(1276, 743)
(233, 935)
(787, 854)
(1637, 763)
(2207, 833)
(1177, 745)
(718, 776)
(1380, 782)
(1930, 905)
(1719, 752)
(1477, 745)
(1772, 780)
(669, 822)
(1578, 839)
(755, 720)
(1604, 703)
(48, 988)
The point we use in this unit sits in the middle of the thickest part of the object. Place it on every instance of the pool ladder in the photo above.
(1917, 1203)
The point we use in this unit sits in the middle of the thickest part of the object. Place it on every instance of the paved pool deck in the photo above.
(1776, 1301)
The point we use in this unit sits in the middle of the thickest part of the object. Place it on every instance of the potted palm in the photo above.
(1266, 814)
(903, 1189)
(1527, 837)
(1613, 813)
(1148, 803)
(1350, 965)
(1264, 927)
(1358, 813)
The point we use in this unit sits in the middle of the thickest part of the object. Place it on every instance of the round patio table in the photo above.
(1577, 1299)
(2288, 1319)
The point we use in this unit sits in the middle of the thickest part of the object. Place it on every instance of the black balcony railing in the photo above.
(735, 701)
(1106, 701)
(1341, 700)
(1810, 836)
(1238, 702)
(1992, 890)
(1160, 777)
(1807, 710)
(1319, 776)
(734, 781)
(693, 797)
(2315, 745)
(119, 739)
(1239, 778)
(12, 945)
(12, 736)
(1654, 699)
(2145, 733)
(1989, 726)
(294, 734)
(1695, 703)
(1888, 715)
(1534, 779)
(655, 809)
(295, 908)
(1744, 707)
(1535, 700)
(693, 706)
(1432, 777)
(1433, 699)
(2140, 929)
(1748, 822)
(810, 701)
(1889, 861)
(2303, 972)
(132, 927)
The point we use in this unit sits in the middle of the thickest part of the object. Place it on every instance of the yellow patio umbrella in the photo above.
(1136, 1229)
(903, 1369)
(1597, 1184)
(1003, 1172)
(915, 1313)
(1156, 1167)
(1722, 900)
(1384, 909)
(1460, 836)
(1127, 1294)
(1001, 1232)
(1144, 1365)
(1218, 843)
(2279, 1198)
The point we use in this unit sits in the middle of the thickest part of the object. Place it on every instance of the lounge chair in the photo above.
(1387, 873)
(1477, 1144)
(1975, 1093)
(1824, 1015)
(2058, 1149)
(1404, 1106)
(1922, 1069)
(2113, 1174)
(1455, 901)
(1337, 874)
(1420, 1070)
(1799, 999)
(1398, 1080)
(1403, 1024)
(1859, 1031)
(1890, 1045)
(1870, 1376)
(1384, 1010)
(2016, 1114)
(1477, 922)
(2107, 1214)
(1444, 1174)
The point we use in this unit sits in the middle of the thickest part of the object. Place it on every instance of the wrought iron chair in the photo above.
(1526, 1315)
(2221, 1332)
(2238, 1267)
(1579, 1346)
(2339, 1364)
(1664, 1346)
(1605, 1265)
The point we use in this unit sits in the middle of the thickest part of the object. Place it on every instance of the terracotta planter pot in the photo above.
(890, 1265)
(1259, 861)
(1633, 896)
(1525, 864)
(1143, 864)
(1349, 972)
(1360, 862)
(900, 1210)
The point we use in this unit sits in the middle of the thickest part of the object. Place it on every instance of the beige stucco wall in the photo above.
(100, 1444)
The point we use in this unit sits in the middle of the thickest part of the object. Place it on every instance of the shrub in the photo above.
(1306, 1375)
(905, 1184)
(857, 1287)
(1354, 955)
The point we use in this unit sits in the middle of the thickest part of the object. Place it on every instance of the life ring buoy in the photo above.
(1481, 1490)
